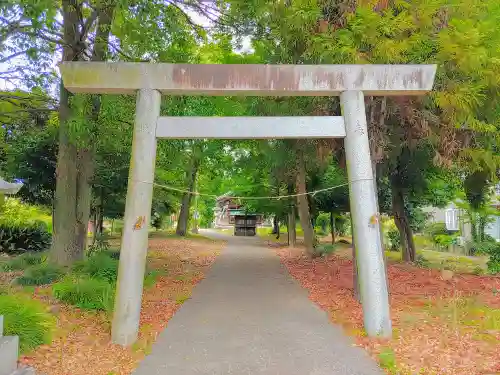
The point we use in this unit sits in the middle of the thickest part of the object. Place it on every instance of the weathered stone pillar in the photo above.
(365, 217)
(137, 216)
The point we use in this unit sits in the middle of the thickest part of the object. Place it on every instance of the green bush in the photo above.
(494, 261)
(15, 212)
(115, 254)
(481, 248)
(421, 262)
(433, 229)
(23, 261)
(21, 238)
(86, 293)
(100, 266)
(100, 244)
(27, 319)
(40, 274)
(325, 249)
(445, 240)
(394, 240)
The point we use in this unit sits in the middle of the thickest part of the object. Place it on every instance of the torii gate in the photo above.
(350, 82)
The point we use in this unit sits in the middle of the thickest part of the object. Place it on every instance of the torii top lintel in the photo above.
(248, 79)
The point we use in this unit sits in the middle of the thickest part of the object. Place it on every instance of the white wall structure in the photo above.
(350, 82)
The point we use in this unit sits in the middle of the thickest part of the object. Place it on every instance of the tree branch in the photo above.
(7, 58)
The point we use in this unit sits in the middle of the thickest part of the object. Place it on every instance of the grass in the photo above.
(85, 293)
(387, 361)
(100, 266)
(172, 234)
(23, 261)
(40, 274)
(27, 319)
(468, 314)
(182, 297)
(442, 260)
(152, 276)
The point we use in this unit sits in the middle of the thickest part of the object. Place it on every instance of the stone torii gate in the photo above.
(149, 81)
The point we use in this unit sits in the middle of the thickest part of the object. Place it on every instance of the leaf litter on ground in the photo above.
(82, 343)
(440, 326)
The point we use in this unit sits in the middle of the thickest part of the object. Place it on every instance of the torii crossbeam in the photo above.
(350, 82)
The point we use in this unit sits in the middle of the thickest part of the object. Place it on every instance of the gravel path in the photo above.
(249, 317)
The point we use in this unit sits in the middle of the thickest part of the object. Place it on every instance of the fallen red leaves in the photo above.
(82, 345)
(437, 329)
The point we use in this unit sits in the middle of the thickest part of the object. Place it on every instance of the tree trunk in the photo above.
(292, 232)
(75, 166)
(473, 226)
(332, 226)
(292, 224)
(303, 204)
(481, 227)
(275, 225)
(85, 171)
(403, 224)
(64, 248)
(182, 223)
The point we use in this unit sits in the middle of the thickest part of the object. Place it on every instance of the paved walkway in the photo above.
(249, 317)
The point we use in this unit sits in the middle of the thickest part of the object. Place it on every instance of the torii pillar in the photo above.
(350, 82)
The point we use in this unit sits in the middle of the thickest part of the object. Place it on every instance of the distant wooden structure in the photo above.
(246, 225)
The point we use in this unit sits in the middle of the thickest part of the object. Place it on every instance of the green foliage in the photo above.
(15, 213)
(434, 229)
(387, 360)
(152, 276)
(323, 223)
(342, 225)
(100, 244)
(99, 266)
(394, 240)
(422, 262)
(445, 240)
(85, 293)
(482, 248)
(23, 261)
(40, 274)
(157, 221)
(20, 238)
(325, 249)
(494, 261)
(28, 319)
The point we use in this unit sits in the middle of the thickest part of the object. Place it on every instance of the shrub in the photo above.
(494, 261)
(394, 240)
(86, 293)
(115, 254)
(100, 266)
(433, 229)
(23, 261)
(27, 319)
(325, 249)
(20, 238)
(421, 262)
(40, 274)
(445, 240)
(100, 244)
(481, 248)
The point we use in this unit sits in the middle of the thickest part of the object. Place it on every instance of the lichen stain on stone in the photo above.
(324, 79)
(230, 77)
(414, 79)
(360, 79)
